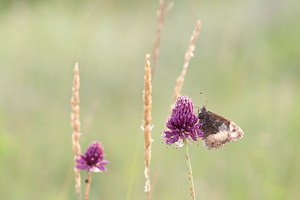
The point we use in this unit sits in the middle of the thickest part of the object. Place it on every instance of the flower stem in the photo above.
(88, 184)
(189, 168)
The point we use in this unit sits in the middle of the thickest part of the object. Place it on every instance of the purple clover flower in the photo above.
(92, 159)
(182, 124)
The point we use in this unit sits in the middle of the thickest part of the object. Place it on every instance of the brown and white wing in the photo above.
(226, 131)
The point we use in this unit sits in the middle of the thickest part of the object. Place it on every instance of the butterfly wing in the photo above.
(218, 130)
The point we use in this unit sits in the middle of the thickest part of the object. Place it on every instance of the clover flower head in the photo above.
(182, 123)
(92, 160)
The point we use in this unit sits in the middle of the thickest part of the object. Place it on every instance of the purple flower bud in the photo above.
(92, 159)
(182, 124)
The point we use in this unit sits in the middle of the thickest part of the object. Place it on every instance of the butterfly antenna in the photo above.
(204, 99)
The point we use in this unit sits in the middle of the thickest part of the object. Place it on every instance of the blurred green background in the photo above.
(246, 62)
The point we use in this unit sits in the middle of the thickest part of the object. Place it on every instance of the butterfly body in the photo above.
(218, 130)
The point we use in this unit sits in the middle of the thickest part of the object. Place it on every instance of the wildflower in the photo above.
(182, 124)
(92, 159)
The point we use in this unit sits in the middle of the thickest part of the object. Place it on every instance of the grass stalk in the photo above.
(161, 13)
(146, 125)
(188, 55)
(76, 126)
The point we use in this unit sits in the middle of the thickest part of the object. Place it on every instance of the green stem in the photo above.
(88, 184)
(189, 168)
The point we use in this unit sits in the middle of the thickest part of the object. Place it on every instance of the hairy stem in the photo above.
(189, 168)
(88, 184)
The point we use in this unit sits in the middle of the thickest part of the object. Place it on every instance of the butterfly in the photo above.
(217, 130)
